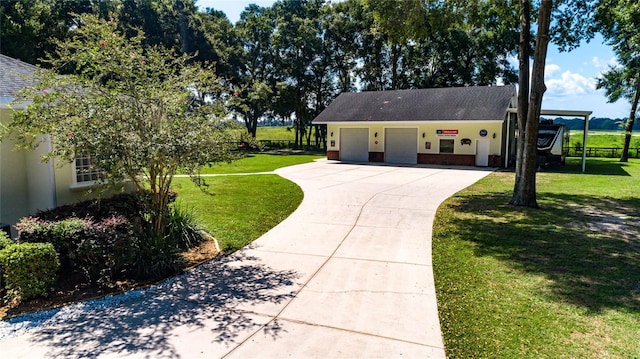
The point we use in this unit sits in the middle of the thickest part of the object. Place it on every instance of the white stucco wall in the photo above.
(39, 179)
(24, 179)
(13, 179)
(28, 185)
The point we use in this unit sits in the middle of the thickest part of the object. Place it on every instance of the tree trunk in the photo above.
(251, 122)
(395, 55)
(523, 91)
(628, 128)
(525, 192)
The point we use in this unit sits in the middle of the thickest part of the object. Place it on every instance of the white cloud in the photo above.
(568, 84)
(598, 63)
(550, 70)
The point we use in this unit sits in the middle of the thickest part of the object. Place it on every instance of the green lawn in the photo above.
(275, 133)
(238, 209)
(261, 162)
(562, 281)
(603, 139)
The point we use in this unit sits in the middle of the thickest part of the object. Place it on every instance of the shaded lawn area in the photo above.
(238, 209)
(261, 162)
(562, 281)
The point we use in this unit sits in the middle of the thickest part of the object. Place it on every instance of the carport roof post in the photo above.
(584, 114)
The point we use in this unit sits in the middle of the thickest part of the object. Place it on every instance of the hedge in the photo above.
(5, 241)
(29, 270)
(96, 249)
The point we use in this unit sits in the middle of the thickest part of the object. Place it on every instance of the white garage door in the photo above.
(401, 145)
(354, 144)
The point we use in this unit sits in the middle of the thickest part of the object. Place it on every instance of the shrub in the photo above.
(5, 241)
(103, 248)
(65, 235)
(155, 257)
(134, 206)
(183, 227)
(94, 249)
(29, 270)
(108, 239)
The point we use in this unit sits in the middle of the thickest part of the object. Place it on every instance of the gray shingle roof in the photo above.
(435, 104)
(12, 75)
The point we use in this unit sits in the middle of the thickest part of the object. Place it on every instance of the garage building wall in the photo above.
(429, 144)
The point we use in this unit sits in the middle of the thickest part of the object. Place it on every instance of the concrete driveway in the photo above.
(348, 274)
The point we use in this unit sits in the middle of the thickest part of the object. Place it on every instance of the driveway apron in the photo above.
(348, 274)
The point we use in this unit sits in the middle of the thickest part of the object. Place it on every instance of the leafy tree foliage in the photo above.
(136, 109)
(255, 74)
(302, 59)
(619, 22)
(29, 28)
(291, 59)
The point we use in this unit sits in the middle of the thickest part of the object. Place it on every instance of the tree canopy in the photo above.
(290, 60)
(619, 22)
(137, 109)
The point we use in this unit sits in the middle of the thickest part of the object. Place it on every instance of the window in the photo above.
(446, 146)
(84, 171)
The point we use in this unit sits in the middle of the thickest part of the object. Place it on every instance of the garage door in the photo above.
(401, 145)
(354, 144)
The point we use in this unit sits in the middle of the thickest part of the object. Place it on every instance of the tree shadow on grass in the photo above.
(219, 297)
(594, 166)
(588, 247)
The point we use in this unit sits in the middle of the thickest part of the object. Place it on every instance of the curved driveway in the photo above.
(348, 274)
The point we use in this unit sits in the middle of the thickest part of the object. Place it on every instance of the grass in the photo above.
(562, 281)
(261, 162)
(603, 139)
(238, 209)
(275, 133)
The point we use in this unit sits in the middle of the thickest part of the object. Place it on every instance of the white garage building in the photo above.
(456, 126)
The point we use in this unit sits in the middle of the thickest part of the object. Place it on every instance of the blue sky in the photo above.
(569, 76)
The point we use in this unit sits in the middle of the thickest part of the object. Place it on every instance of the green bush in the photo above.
(96, 249)
(65, 235)
(183, 227)
(103, 250)
(134, 206)
(29, 269)
(107, 240)
(5, 241)
(155, 257)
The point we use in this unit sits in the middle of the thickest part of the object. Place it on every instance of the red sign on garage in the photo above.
(447, 132)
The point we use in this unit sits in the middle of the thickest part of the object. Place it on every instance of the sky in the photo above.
(570, 76)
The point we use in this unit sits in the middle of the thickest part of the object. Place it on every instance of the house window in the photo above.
(446, 146)
(84, 170)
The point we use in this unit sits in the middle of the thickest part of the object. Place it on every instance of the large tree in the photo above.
(570, 24)
(254, 76)
(302, 59)
(136, 109)
(29, 28)
(619, 22)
